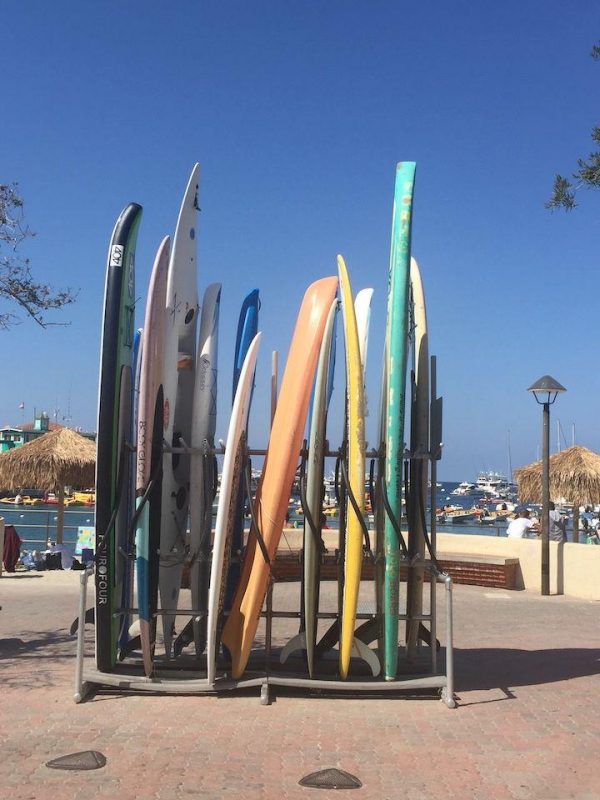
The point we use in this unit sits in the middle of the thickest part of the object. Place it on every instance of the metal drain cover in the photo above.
(331, 779)
(87, 759)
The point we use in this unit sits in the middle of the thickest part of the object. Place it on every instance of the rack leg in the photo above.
(80, 688)
(268, 630)
(448, 691)
(265, 698)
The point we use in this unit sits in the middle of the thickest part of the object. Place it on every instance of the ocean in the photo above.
(36, 526)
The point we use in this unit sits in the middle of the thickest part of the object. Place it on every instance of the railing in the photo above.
(477, 529)
(34, 523)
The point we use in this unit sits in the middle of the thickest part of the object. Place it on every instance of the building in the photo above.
(11, 437)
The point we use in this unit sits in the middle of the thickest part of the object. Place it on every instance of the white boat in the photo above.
(463, 489)
(493, 484)
(458, 515)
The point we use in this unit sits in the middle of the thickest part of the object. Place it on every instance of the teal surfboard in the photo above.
(396, 364)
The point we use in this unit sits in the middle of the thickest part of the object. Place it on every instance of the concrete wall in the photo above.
(574, 568)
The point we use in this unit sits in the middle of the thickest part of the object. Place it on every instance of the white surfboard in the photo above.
(203, 472)
(362, 310)
(149, 451)
(231, 476)
(178, 381)
(419, 443)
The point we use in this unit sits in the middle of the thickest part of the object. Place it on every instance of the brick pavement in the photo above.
(527, 724)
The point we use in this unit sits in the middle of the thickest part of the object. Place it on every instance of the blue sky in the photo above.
(298, 113)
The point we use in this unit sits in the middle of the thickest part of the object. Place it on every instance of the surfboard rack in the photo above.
(170, 678)
(418, 671)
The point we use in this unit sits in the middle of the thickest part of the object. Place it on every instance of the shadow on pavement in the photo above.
(497, 667)
(41, 645)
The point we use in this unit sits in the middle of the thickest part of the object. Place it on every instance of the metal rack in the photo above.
(189, 677)
(171, 679)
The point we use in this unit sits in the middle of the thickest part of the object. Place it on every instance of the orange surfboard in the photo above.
(278, 471)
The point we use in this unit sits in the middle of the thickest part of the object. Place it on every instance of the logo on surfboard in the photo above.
(116, 255)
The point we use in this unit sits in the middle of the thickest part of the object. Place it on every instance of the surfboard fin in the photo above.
(185, 637)
(297, 642)
(425, 636)
(90, 617)
(130, 647)
(361, 650)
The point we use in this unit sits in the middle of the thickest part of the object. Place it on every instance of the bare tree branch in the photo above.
(17, 284)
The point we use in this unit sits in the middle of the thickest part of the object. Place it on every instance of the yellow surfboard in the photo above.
(356, 470)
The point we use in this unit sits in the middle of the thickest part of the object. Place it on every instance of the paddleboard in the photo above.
(362, 311)
(127, 599)
(353, 555)
(246, 331)
(380, 514)
(231, 479)
(112, 469)
(397, 339)
(150, 453)
(419, 443)
(203, 472)
(312, 543)
(278, 471)
(178, 386)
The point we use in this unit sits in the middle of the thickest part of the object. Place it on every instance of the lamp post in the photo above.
(545, 391)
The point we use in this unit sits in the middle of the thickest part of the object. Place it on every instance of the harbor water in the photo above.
(37, 526)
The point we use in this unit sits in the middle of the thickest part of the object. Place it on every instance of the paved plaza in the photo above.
(527, 724)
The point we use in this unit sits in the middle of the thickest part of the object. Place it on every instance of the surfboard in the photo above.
(312, 546)
(127, 599)
(112, 469)
(362, 311)
(246, 331)
(231, 479)
(356, 471)
(178, 385)
(419, 443)
(150, 453)
(397, 338)
(380, 514)
(203, 471)
(278, 471)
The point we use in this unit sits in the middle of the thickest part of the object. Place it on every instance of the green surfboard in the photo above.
(396, 364)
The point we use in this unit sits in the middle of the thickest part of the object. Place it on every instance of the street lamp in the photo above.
(545, 391)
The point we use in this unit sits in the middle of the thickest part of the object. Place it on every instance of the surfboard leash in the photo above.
(391, 516)
(255, 525)
(357, 511)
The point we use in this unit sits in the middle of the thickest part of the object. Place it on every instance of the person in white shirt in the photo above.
(522, 527)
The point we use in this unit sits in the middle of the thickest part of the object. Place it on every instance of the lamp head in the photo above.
(546, 390)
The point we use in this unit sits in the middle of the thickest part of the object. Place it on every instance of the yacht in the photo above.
(463, 489)
(492, 484)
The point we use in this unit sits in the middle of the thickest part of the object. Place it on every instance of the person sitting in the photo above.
(522, 527)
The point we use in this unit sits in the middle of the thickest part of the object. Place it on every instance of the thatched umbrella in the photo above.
(574, 475)
(50, 462)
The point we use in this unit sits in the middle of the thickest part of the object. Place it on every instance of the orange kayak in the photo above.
(278, 471)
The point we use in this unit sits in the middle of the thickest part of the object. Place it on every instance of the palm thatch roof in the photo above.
(50, 462)
(574, 476)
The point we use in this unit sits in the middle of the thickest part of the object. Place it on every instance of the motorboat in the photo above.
(463, 489)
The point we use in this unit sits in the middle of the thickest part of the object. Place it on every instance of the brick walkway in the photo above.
(527, 724)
